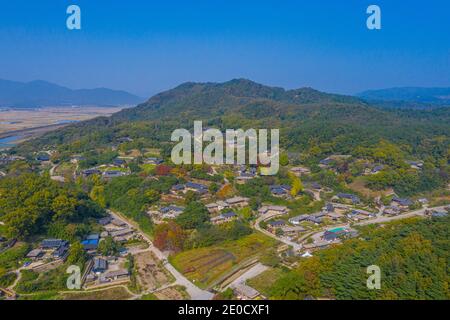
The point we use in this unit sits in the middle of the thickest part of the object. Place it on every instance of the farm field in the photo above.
(150, 273)
(358, 185)
(172, 293)
(204, 266)
(264, 281)
(116, 293)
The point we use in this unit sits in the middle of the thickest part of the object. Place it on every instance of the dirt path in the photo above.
(19, 276)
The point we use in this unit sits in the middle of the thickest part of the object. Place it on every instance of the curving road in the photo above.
(294, 245)
(195, 292)
(382, 219)
(317, 235)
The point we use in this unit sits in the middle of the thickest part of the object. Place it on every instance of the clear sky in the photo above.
(148, 46)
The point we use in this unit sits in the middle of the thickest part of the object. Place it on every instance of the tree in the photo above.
(169, 236)
(246, 213)
(296, 185)
(98, 195)
(213, 187)
(21, 223)
(284, 159)
(162, 170)
(134, 167)
(190, 196)
(64, 207)
(77, 255)
(108, 247)
(152, 196)
(194, 216)
(225, 191)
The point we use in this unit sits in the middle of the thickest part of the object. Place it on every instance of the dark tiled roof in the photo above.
(276, 223)
(230, 214)
(53, 243)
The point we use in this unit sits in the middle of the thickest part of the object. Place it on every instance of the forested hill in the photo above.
(249, 98)
(307, 119)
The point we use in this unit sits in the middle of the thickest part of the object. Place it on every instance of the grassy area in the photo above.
(359, 185)
(7, 279)
(117, 293)
(264, 281)
(49, 295)
(2, 230)
(205, 265)
(113, 168)
(152, 152)
(33, 282)
(65, 168)
(148, 167)
(11, 258)
(149, 296)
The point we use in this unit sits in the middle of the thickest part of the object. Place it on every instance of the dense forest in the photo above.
(413, 257)
(311, 122)
(33, 205)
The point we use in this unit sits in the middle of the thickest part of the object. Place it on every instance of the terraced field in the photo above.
(204, 266)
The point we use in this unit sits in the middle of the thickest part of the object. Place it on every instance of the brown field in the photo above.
(358, 185)
(172, 293)
(149, 271)
(13, 120)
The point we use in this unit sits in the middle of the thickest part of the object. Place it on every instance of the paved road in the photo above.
(380, 219)
(249, 274)
(295, 246)
(383, 219)
(195, 292)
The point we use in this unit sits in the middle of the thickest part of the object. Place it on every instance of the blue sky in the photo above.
(148, 46)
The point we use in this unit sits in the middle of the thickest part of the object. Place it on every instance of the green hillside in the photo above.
(307, 118)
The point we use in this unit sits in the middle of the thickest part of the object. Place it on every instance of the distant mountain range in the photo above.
(408, 97)
(44, 94)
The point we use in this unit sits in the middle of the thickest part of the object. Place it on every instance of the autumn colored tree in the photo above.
(98, 195)
(296, 185)
(169, 236)
(152, 195)
(162, 170)
(225, 191)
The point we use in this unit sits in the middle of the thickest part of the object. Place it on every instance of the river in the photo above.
(9, 142)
